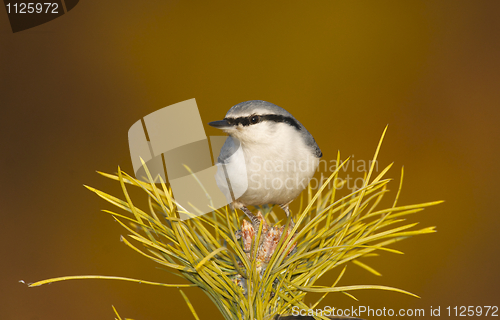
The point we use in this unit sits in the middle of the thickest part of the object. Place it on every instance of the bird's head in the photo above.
(258, 121)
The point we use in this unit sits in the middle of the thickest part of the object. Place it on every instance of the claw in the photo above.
(286, 208)
(238, 234)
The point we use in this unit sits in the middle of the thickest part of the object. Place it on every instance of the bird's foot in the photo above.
(252, 217)
(238, 234)
(286, 208)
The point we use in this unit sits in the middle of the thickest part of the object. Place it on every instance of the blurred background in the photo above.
(71, 88)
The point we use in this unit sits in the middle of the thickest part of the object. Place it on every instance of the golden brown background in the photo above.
(71, 88)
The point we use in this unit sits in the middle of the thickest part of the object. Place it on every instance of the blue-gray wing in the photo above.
(317, 151)
(309, 140)
(228, 149)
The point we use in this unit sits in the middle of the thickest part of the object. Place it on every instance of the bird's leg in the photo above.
(286, 208)
(292, 224)
(254, 219)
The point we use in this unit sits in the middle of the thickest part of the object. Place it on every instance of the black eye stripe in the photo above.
(246, 121)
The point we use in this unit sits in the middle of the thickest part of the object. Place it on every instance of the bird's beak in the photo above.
(220, 124)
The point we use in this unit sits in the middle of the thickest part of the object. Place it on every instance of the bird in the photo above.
(278, 155)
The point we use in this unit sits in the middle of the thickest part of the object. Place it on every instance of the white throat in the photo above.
(277, 162)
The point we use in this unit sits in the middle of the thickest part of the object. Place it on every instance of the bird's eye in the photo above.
(254, 119)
